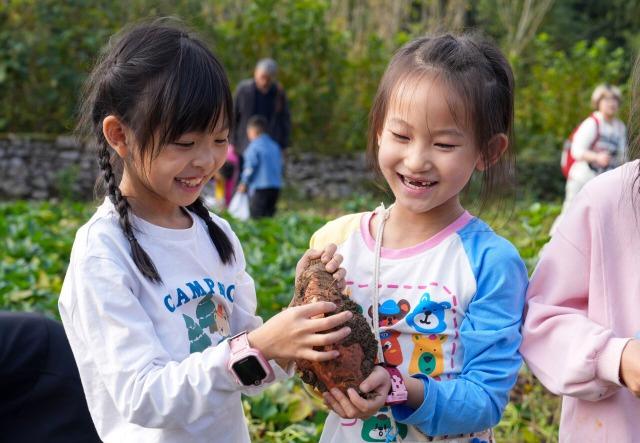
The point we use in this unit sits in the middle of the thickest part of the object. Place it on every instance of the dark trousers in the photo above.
(41, 397)
(263, 202)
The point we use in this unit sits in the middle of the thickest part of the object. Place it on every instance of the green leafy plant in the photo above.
(36, 239)
(284, 412)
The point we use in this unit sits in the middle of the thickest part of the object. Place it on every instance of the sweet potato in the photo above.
(357, 351)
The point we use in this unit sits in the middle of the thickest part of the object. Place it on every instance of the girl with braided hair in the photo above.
(157, 305)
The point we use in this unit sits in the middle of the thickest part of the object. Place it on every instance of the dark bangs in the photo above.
(189, 93)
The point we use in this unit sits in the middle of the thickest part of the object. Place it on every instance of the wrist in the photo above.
(610, 359)
(247, 364)
(415, 390)
(257, 341)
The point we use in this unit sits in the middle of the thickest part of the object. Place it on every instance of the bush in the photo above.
(539, 179)
(44, 60)
(554, 91)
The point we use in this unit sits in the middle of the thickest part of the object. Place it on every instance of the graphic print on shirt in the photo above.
(390, 312)
(427, 357)
(428, 316)
(222, 320)
(391, 350)
(375, 428)
(198, 339)
(206, 313)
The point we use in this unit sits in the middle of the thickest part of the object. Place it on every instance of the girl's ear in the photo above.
(497, 146)
(115, 132)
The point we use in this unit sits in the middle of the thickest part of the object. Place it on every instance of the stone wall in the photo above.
(42, 167)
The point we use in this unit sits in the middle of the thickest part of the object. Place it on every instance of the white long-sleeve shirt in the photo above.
(611, 137)
(152, 357)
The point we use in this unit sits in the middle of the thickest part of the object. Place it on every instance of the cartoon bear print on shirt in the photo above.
(391, 349)
(222, 321)
(427, 357)
(375, 428)
(428, 316)
(390, 312)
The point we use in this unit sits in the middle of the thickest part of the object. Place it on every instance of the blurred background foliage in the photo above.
(331, 55)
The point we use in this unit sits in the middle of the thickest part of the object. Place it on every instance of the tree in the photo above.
(521, 18)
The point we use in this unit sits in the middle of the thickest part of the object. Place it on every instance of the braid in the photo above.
(140, 257)
(218, 237)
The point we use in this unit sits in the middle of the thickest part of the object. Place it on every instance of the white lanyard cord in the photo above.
(384, 213)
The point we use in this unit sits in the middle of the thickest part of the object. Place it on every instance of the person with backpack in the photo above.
(597, 145)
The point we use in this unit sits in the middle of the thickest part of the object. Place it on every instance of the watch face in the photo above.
(249, 371)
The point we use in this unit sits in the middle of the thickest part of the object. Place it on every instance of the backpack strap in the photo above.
(595, 140)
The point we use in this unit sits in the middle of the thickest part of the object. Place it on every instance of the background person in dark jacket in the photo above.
(261, 95)
(262, 171)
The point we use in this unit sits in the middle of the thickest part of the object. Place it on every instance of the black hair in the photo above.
(258, 122)
(161, 81)
(480, 76)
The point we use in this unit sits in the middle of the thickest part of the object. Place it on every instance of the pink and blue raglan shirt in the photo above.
(450, 313)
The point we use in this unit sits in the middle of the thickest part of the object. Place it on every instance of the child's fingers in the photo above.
(362, 404)
(330, 338)
(328, 253)
(330, 322)
(332, 265)
(303, 263)
(340, 275)
(333, 404)
(349, 409)
(315, 309)
(378, 380)
(312, 254)
(313, 355)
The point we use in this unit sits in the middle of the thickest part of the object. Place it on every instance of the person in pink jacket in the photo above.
(580, 335)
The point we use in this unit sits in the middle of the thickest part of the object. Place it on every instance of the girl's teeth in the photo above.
(417, 183)
(191, 183)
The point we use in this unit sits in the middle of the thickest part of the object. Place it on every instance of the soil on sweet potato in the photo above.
(357, 351)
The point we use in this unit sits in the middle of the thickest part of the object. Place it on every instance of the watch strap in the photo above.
(239, 342)
(398, 394)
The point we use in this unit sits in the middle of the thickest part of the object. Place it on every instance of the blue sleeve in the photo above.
(250, 164)
(490, 335)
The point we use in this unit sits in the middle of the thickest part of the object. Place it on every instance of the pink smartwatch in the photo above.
(248, 365)
(398, 394)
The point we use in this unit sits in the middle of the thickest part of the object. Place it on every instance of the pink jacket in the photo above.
(583, 305)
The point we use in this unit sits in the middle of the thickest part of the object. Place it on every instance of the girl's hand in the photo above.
(603, 159)
(353, 405)
(331, 260)
(294, 332)
(630, 367)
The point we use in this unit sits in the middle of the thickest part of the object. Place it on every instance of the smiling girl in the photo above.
(444, 293)
(156, 283)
